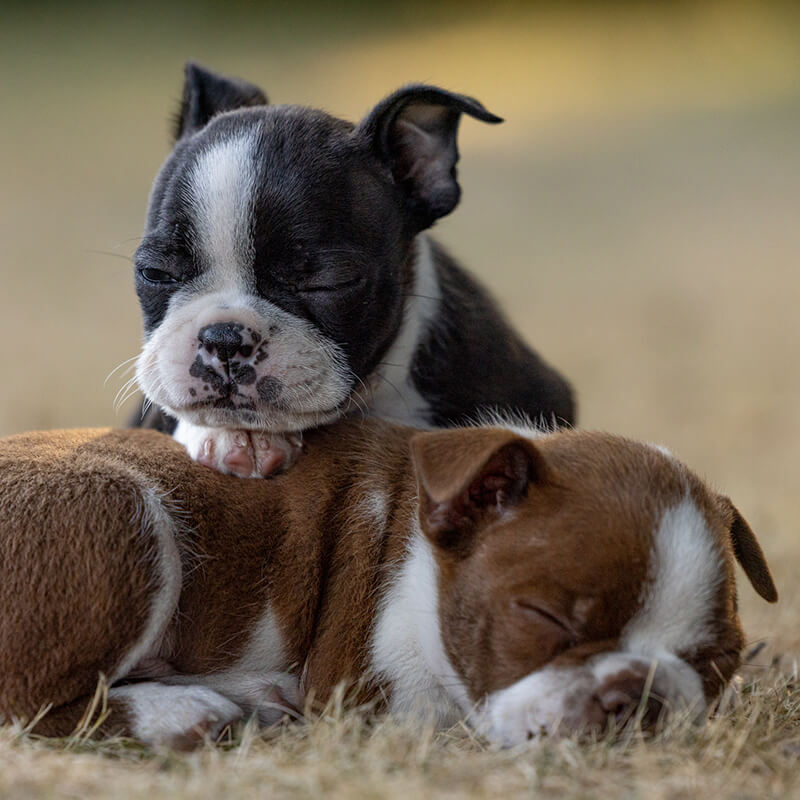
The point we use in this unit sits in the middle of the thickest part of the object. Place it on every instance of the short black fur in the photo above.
(334, 222)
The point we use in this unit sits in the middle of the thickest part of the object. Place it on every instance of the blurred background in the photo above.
(637, 214)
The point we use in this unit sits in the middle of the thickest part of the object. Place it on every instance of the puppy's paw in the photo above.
(177, 717)
(246, 454)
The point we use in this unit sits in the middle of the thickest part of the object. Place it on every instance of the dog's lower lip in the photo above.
(271, 406)
(220, 403)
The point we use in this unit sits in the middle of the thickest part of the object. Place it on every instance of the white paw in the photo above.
(244, 453)
(271, 696)
(178, 717)
(533, 706)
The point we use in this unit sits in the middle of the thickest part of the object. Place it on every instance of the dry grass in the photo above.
(637, 216)
(750, 749)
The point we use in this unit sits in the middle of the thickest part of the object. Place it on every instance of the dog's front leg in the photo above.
(240, 452)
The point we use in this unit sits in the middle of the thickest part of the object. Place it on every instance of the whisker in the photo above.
(356, 398)
(363, 405)
(129, 259)
(128, 389)
(124, 388)
(133, 390)
(399, 393)
(119, 366)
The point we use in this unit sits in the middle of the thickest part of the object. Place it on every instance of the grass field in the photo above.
(637, 215)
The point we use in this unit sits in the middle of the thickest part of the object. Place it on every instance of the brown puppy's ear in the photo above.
(469, 475)
(414, 131)
(749, 554)
(206, 93)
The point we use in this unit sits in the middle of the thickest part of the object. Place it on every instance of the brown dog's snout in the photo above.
(224, 339)
(625, 696)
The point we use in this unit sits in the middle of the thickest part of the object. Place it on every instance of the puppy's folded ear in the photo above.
(206, 93)
(413, 131)
(749, 554)
(469, 476)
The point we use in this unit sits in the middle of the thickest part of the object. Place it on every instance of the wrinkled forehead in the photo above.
(269, 176)
(260, 153)
(600, 504)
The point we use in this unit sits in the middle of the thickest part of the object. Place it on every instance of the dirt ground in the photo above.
(637, 215)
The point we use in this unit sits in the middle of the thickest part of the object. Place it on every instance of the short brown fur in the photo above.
(549, 568)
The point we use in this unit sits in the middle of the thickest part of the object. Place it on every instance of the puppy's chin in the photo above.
(282, 376)
(270, 419)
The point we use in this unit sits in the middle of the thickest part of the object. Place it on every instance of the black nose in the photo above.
(224, 339)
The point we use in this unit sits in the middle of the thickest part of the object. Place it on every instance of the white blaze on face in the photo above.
(222, 188)
(677, 607)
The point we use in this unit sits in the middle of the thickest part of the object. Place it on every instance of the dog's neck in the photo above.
(393, 393)
(407, 649)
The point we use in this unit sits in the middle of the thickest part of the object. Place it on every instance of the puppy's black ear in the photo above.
(413, 131)
(749, 554)
(206, 93)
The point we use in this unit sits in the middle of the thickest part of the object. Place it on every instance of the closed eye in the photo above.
(539, 612)
(351, 283)
(152, 275)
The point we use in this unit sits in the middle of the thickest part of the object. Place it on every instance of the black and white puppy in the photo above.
(285, 278)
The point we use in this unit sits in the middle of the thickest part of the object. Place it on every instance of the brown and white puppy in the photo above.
(527, 582)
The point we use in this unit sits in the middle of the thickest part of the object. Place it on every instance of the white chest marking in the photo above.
(407, 650)
(394, 395)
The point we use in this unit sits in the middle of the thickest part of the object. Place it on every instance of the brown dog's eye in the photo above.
(545, 631)
(538, 612)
